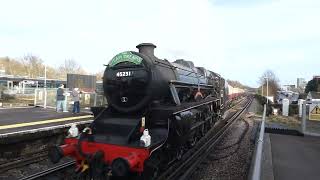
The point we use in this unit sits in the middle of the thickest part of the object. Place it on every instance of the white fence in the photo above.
(47, 98)
(17, 96)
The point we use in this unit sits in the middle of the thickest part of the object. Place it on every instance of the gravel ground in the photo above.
(231, 158)
(255, 107)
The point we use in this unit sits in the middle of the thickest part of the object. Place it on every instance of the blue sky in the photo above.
(239, 39)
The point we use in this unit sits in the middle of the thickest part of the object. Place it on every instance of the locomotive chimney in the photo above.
(146, 48)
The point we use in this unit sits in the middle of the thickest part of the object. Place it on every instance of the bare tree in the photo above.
(273, 83)
(99, 75)
(313, 85)
(33, 65)
(70, 66)
(5, 63)
(28, 65)
(52, 73)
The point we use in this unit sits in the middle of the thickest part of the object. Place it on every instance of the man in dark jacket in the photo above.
(61, 105)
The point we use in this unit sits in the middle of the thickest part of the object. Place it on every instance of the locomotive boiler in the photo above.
(157, 110)
(133, 80)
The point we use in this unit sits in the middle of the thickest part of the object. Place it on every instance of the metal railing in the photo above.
(47, 98)
(16, 96)
(257, 158)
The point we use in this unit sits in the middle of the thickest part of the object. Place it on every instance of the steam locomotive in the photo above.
(157, 110)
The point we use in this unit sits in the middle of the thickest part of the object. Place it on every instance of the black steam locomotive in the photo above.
(156, 111)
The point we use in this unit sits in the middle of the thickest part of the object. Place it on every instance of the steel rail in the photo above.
(49, 171)
(185, 170)
(23, 161)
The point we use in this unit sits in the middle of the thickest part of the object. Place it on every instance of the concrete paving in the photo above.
(295, 157)
(22, 119)
(267, 167)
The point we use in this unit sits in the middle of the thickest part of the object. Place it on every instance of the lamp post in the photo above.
(45, 87)
(267, 87)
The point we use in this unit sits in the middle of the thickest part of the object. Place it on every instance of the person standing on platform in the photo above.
(76, 100)
(61, 105)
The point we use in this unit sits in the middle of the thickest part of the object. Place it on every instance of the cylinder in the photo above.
(146, 49)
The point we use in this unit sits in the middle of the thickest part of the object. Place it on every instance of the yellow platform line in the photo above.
(44, 122)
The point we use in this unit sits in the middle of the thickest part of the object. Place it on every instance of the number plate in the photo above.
(124, 74)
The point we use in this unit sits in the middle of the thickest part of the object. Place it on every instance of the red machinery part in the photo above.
(68, 149)
(133, 160)
(57, 152)
(134, 156)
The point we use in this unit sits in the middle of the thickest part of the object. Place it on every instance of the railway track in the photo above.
(24, 161)
(191, 160)
(50, 171)
(231, 146)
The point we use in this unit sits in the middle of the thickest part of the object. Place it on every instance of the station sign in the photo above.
(314, 113)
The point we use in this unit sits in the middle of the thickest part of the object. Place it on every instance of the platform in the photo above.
(289, 157)
(15, 120)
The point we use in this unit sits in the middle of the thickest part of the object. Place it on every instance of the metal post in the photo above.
(45, 76)
(267, 89)
(262, 90)
(304, 117)
(23, 87)
(35, 97)
(45, 98)
(95, 99)
(267, 78)
(45, 87)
